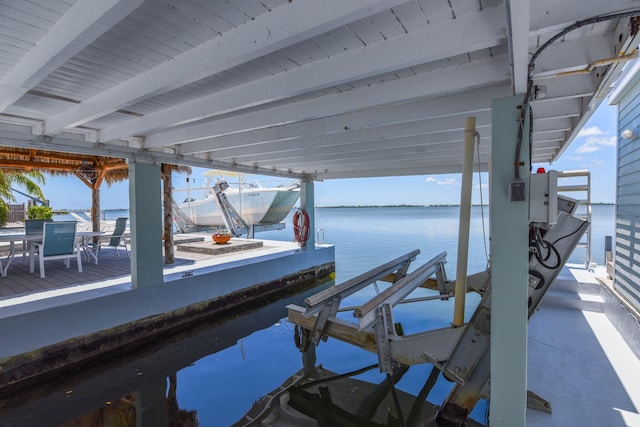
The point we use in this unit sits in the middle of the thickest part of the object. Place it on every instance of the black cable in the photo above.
(557, 254)
(527, 98)
(570, 234)
(538, 244)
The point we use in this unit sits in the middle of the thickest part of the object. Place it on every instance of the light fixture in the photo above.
(630, 134)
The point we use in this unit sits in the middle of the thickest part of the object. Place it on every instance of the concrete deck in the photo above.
(579, 361)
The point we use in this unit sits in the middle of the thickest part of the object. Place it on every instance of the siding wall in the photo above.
(627, 247)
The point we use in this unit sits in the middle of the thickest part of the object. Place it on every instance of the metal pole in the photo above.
(465, 220)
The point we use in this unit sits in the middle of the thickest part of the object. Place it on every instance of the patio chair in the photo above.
(31, 226)
(58, 242)
(115, 240)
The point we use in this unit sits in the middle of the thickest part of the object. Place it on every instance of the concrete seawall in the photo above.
(44, 342)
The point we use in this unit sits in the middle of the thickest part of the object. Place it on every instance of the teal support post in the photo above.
(146, 224)
(307, 202)
(509, 269)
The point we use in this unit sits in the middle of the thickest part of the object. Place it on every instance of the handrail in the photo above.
(586, 201)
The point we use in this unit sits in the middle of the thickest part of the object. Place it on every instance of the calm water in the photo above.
(222, 369)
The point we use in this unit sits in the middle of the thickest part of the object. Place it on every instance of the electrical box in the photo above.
(517, 191)
(543, 197)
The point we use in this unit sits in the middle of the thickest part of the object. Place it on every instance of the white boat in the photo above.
(255, 203)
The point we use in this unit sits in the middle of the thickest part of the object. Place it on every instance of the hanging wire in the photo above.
(484, 231)
(527, 98)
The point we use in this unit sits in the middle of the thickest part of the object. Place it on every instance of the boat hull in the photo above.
(256, 206)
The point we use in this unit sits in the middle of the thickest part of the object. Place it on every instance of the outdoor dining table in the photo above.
(23, 237)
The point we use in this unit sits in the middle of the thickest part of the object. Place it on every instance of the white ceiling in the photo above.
(327, 89)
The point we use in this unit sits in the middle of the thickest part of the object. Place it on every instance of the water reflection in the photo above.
(327, 399)
(147, 388)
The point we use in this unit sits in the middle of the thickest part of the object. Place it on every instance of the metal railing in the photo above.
(577, 185)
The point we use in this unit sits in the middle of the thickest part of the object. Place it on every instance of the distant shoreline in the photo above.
(419, 206)
(66, 211)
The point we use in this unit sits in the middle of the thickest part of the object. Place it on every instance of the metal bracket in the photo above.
(235, 224)
(441, 280)
(384, 329)
(538, 403)
(402, 271)
(330, 310)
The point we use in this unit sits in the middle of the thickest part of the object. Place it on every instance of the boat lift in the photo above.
(460, 353)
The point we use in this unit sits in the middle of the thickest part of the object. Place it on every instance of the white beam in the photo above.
(285, 25)
(552, 124)
(84, 22)
(435, 108)
(303, 149)
(564, 107)
(572, 55)
(432, 152)
(548, 136)
(518, 28)
(382, 123)
(436, 129)
(392, 170)
(374, 166)
(437, 41)
(572, 86)
(553, 16)
(484, 72)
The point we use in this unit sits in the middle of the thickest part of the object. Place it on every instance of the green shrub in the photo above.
(4, 213)
(39, 212)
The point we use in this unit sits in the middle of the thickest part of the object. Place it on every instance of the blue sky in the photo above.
(594, 149)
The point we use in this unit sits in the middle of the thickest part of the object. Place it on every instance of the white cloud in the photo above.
(596, 143)
(431, 179)
(448, 181)
(576, 158)
(591, 131)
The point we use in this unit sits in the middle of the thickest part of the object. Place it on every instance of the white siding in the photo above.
(627, 251)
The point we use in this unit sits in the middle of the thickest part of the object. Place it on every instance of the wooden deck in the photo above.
(111, 269)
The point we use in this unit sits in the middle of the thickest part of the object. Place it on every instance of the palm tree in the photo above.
(27, 180)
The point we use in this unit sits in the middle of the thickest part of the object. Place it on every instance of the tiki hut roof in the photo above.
(88, 168)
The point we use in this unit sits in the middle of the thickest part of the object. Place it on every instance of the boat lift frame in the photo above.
(460, 353)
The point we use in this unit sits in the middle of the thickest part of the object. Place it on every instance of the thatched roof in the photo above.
(86, 167)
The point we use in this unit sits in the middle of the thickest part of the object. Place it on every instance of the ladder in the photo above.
(577, 185)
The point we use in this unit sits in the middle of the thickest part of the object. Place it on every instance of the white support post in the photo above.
(509, 270)
(307, 202)
(146, 224)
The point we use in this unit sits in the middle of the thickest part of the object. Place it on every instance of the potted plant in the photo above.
(221, 237)
(39, 212)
